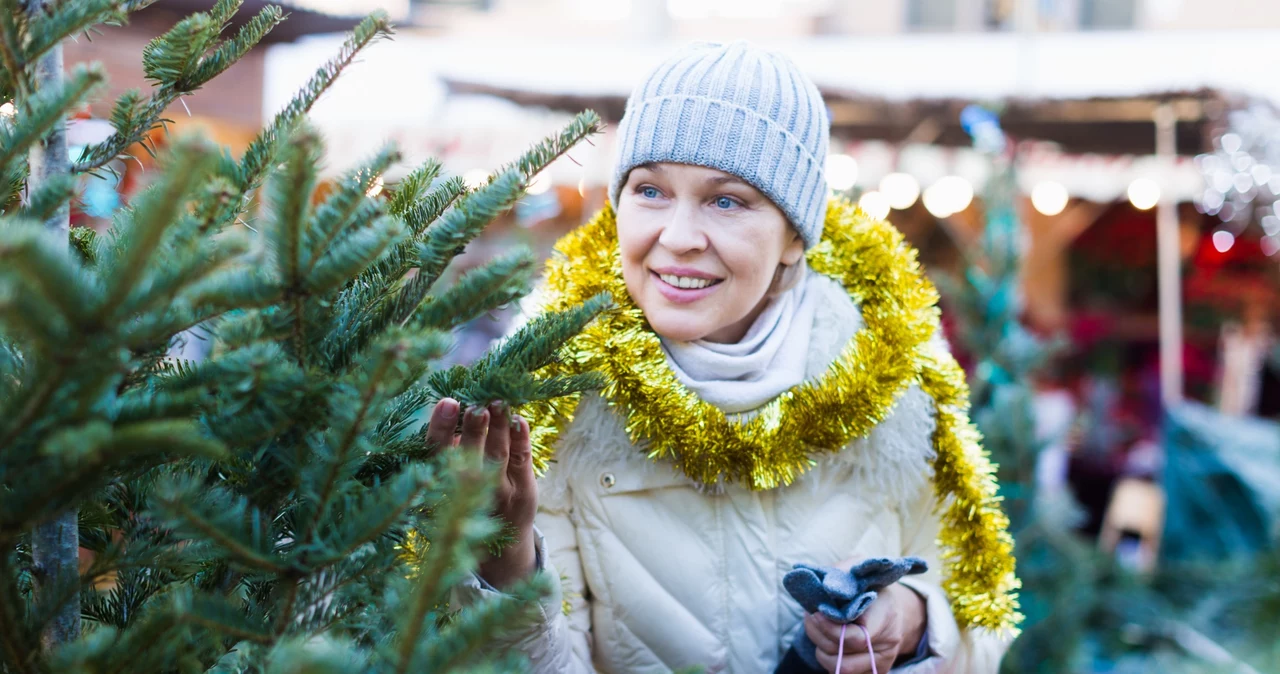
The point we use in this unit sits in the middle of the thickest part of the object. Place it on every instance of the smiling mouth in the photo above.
(687, 282)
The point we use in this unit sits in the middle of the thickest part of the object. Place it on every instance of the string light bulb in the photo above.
(842, 171)
(948, 196)
(900, 189)
(1144, 194)
(875, 205)
(1049, 197)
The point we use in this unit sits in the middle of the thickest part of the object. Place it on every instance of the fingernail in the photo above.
(515, 422)
(448, 409)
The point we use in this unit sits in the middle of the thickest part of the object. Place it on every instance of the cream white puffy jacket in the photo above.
(660, 574)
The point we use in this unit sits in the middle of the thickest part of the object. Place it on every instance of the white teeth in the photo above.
(685, 281)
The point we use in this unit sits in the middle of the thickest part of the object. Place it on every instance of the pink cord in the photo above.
(840, 653)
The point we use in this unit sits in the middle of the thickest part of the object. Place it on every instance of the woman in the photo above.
(777, 394)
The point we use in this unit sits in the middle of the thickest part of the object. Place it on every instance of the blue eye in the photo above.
(649, 192)
(725, 203)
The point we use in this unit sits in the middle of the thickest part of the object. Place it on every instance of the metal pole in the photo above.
(1169, 261)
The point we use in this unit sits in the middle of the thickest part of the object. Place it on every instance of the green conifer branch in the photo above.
(257, 156)
(290, 191)
(421, 214)
(37, 261)
(180, 64)
(370, 516)
(240, 531)
(36, 115)
(14, 73)
(45, 201)
(480, 290)
(412, 188)
(404, 256)
(229, 52)
(535, 345)
(353, 254)
(149, 218)
(341, 206)
(458, 524)
(67, 19)
(538, 157)
(464, 637)
(447, 237)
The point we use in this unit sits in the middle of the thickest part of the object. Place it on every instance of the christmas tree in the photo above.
(272, 508)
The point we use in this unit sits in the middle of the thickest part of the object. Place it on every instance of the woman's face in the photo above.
(700, 249)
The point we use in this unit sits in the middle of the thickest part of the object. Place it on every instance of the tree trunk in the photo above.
(55, 544)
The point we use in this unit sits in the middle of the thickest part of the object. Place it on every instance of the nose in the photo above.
(683, 233)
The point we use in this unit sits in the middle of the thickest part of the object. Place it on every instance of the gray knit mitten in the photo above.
(842, 596)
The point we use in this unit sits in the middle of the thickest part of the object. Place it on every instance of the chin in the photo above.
(674, 328)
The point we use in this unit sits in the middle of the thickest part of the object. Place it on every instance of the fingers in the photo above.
(475, 428)
(520, 463)
(825, 634)
(497, 444)
(443, 422)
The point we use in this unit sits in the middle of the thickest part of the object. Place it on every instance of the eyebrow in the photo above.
(718, 180)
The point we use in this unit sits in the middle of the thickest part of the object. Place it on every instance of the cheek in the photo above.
(752, 260)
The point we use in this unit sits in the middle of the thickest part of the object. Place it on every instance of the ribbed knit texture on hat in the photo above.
(740, 109)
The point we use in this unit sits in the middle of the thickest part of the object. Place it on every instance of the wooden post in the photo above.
(1169, 261)
(55, 544)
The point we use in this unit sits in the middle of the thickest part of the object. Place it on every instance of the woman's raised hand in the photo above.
(504, 440)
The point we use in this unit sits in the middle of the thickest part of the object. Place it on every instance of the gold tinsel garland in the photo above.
(891, 352)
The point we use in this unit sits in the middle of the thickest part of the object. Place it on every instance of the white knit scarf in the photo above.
(769, 359)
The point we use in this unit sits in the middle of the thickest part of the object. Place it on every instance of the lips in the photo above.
(674, 290)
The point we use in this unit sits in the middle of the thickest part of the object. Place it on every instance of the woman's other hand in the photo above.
(504, 440)
(895, 621)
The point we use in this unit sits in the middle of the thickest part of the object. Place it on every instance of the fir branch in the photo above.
(412, 188)
(403, 257)
(258, 156)
(37, 114)
(289, 191)
(425, 212)
(538, 157)
(459, 523)
(350, 256)
(349, 197)
(141, 404)
(371, 516)
(447, 237)
(67, 19)
(180, 64)
(535, 345)
(390, 360)
(52, 194)
(466, 636)
(239, 531)
(506, 372)
(37, 261)
(149, 217)
(15, 75)
(231, 51)
(480, 290)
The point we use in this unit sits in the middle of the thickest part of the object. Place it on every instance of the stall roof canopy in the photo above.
(1089, 92)
(301, 21)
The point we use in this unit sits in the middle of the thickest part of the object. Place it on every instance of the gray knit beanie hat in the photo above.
(736, 108)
